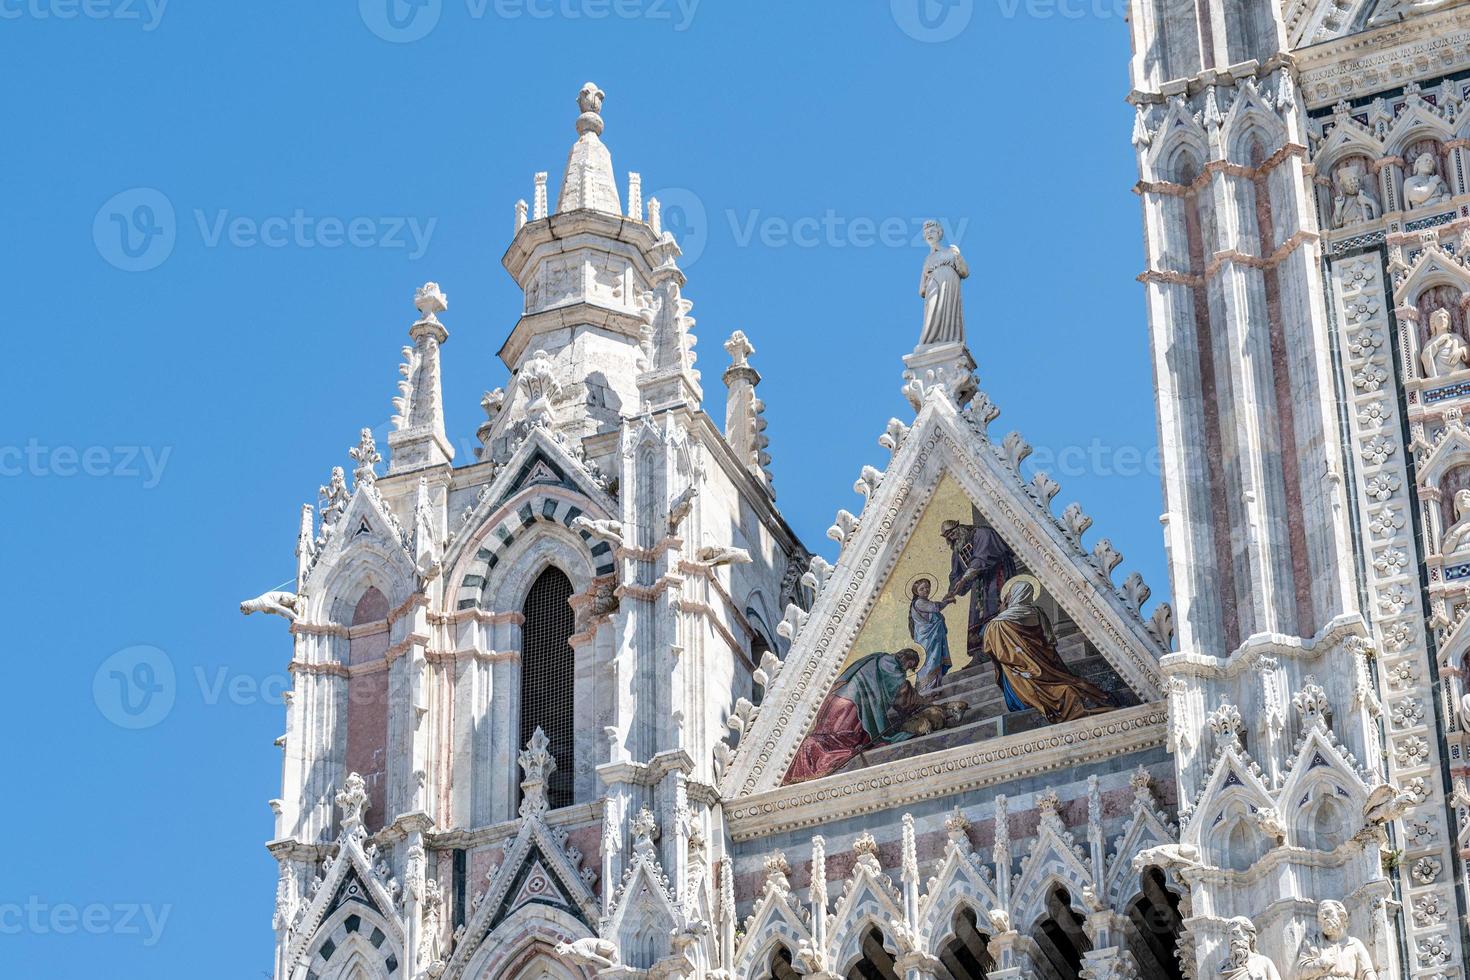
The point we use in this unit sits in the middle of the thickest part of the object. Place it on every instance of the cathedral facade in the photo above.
(584, 705)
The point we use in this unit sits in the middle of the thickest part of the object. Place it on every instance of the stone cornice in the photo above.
(1230, 257)
(1224, 167)
(949, 772)
(1262, 645)
(1374, 61)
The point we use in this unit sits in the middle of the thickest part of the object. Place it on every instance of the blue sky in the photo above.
(175, 395)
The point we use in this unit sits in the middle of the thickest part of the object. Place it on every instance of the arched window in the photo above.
(367, 703)
(781, 965)
(967, 956)
(548, 676)
(1061, 938)
(1157, 925)
(877, 963)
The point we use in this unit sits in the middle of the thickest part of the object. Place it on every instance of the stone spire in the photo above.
(418, 439)
(589, 181)
(744, 425)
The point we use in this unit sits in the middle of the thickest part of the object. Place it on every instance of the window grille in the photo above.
(548, 676)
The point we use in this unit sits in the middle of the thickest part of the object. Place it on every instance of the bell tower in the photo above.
(1274, 652)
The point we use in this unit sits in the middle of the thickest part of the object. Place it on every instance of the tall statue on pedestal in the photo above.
(944, 314)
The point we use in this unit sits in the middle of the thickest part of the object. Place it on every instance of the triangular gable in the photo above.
(365, 525)
(963, 879)
(869, 900)
(536, 870)
(1054, 857)
(1234, 776)
(776, 920)
(349, 878)
(1147, 827)
(536, 883)
(946, 462)
(1431, 267)
(542, 482)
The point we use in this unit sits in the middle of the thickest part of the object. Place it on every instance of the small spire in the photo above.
(589, 183)
(635, 196)
(540, 197)
(521, 214)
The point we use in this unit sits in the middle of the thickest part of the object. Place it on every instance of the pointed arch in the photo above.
(354, 941)
(522, 938)
(1059, 934)
(548, 676)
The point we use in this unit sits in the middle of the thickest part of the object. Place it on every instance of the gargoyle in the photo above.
(273, 604)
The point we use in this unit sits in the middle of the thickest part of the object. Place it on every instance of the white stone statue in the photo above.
(1458, 535)
(1354, 202)
(1426, 186)
(1243, 961)
(944, 314)
(1340, 957)
(1445, 351)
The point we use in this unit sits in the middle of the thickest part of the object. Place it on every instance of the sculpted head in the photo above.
(1242, 939)
(933, 233)
(1424, 165)
(1439, 321)
(1462, 503)
(1349, 182)
(1333, 918)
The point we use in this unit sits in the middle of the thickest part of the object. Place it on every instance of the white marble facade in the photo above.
(1294, 729)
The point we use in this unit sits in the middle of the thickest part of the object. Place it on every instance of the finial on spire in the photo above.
(588, 183)
(430, 300)
(589, 100)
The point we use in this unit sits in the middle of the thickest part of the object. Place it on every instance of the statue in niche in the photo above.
(1340, 957)
(1244, 962)
(1354, 202)
(944, 269)
(1445, 351)
(1458, 535)
(1426, 186)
